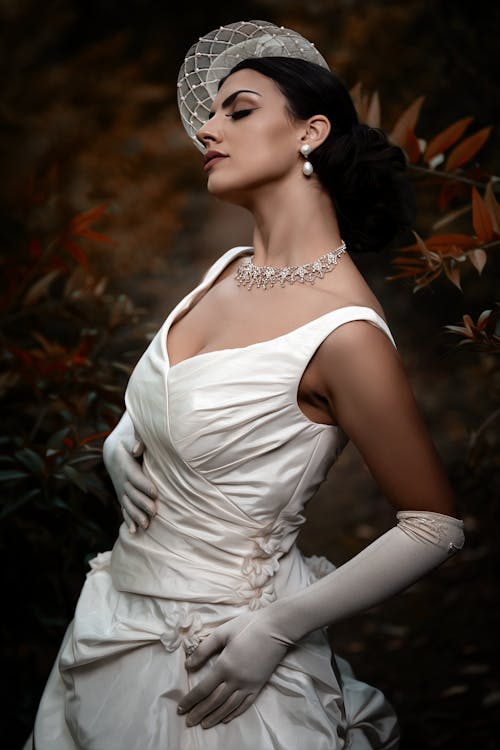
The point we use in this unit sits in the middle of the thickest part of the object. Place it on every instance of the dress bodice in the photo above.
(234, 458)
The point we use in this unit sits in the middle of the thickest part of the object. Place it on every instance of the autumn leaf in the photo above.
(406, 122)
(453, 273)
(450, 191)
(477, 333)
(373, 115)
(85, 219)
(478, 258)
(446, 138)
(467, 149)
(492, 206)
(481, 219)
(40, 287)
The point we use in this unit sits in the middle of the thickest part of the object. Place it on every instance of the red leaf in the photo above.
(35, 249)
(450, 191)
(446, 138)
(87, 217)
(492, 206)
(76, 252)
(462, 241)
(467, 149)
(412, 147)
(478, 258)
(406, 121)
(96, 236)
(453, 273)
(481, 218)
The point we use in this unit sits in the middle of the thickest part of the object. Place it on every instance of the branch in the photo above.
(450, 176)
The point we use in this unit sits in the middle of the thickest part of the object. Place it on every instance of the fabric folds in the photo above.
(235, 462)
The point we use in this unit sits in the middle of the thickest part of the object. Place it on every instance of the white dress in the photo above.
(235, 461)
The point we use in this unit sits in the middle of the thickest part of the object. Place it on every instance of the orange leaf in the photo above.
(40, 287)
(462, 241)
(451, 190)
(406, 121)
(478, 258)
(481, 218)
(468, 323)
(492, 206)
(467, 149)
(76, 252)
(446, 138)
(453, 273)
(412, 147)
(87, 217)
(483, 319)
(423, 247)
(95, 236)
(356, 94)
(373, 115)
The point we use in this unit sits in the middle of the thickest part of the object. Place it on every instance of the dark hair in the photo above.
(358, 166)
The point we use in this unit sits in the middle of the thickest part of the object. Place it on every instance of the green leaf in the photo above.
(13, 506)
(31, 460)
(76, 477)
(8, 474)
(56, 440)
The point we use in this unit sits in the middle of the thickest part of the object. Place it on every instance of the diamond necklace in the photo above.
(248, 274)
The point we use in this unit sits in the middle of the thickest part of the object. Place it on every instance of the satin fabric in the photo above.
(235, 461)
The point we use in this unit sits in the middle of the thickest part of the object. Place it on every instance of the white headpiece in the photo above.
(214, 54)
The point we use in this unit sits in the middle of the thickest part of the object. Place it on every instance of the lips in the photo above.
(211, 157)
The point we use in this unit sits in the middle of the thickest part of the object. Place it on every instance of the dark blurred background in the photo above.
(106, 224)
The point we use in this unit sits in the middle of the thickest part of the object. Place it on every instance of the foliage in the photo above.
(67, 345)
(459, 182)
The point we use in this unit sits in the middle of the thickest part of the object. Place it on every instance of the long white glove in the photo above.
(121, 452)
(253, 644)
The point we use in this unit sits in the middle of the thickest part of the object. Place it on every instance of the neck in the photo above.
(294, 224)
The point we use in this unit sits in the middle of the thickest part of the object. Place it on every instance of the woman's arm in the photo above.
(136, 494)
(369, 396)
(365, 384)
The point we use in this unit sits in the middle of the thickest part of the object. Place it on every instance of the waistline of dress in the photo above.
(190, 570)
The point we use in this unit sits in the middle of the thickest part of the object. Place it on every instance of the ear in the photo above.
(317, 130)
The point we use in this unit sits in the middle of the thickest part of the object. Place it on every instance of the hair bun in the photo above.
(362, 171)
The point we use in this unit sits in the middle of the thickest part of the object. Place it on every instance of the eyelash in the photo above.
(239, 114)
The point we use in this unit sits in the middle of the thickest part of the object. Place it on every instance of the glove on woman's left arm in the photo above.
(253, 644)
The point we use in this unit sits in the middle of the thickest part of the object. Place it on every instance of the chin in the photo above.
(229, 193)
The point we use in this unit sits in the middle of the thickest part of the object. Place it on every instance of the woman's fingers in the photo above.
(225, 710)
(201, 691)
(208, 647)
(131, 525)
(135, 475)
(142, 501)
(133, 511)
(205, 707)
(137, 448)
(246, 703)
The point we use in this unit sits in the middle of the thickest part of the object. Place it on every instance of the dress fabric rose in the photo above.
(235, 461)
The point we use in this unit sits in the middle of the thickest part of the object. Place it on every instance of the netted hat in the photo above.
(214, 54)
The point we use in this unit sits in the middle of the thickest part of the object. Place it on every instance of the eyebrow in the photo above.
(230, 99)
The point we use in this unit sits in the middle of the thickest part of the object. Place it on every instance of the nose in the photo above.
(208, 133)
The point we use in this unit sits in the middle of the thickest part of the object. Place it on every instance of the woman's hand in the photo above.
(249, 654)
(135, 492)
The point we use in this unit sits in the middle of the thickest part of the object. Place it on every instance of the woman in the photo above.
(242, 402)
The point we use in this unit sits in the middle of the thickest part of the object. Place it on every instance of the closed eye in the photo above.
(240, 113)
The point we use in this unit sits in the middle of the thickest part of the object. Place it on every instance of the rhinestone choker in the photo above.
(248, 274)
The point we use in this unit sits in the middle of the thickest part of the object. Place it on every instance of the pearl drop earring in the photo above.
(307, 168)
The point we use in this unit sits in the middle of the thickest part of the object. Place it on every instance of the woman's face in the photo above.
(259, 139)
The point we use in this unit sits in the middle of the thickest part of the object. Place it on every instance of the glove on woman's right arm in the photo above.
(135, 493)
